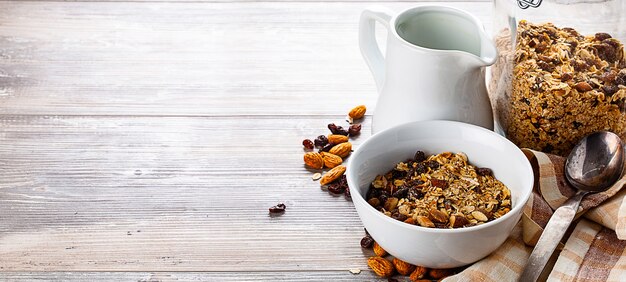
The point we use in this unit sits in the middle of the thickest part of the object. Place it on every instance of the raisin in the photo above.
(545, 66)
(347, 194)
(401, 193)
(307, 143)
(278, 208)
(336, 129)
(354, 129)
(433, 164)
(601, 36)
(398, 216)
(484, 171)
(326, 148)
(420, 156)
(336, 188)
(608, 76)
(566, 76)
(609, 90)
(321, 141)
(421, 168)
(367, 241)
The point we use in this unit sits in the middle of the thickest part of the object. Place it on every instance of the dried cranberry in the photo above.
(321, 141)
(307, 143)
(484, 171)
(439, 183)
(278, 208)
(420, 156)
(367, 241)
(354, 129)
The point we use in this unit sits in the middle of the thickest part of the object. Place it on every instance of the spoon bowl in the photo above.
(594, 165)
(596, 162)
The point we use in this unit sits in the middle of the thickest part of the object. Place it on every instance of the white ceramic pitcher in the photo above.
(433, 67)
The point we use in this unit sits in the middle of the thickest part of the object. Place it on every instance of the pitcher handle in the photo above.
(367, 41)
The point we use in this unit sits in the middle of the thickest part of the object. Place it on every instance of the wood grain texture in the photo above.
(190, 276)
(201, 59)
(168, 194)
(146, 140)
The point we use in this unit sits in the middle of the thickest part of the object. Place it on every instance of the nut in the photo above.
(438, 216)
(380, 266)
(458, 220)
(313, 160)
(424, 221)
(403, 267)
(337, 138)
(316, 176)
(391, 204)
(358, 112)
(440, 273)
(333, 174)
(583, 86)
(479, 216)
(418, 273)
(342, 150)
(331, 160)
(379, 251)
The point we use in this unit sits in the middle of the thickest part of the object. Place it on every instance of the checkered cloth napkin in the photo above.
(593, 249)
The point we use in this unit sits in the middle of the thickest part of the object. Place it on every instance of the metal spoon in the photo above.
(594, 165)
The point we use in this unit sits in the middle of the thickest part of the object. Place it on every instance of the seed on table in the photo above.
(367, 242)
(278, 208)
(354, 129)
(321, 141)
(316, 176)
(307, 143)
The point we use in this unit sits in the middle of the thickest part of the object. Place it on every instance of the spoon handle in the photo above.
(550, 238)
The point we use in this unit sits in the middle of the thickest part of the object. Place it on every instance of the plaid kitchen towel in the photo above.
(594, 248)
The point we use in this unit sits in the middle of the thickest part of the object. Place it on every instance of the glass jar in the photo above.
(561, 71)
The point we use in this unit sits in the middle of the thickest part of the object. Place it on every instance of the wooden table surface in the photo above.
(146, 140)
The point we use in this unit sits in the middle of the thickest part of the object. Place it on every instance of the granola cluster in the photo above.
(442, 191)
(564, 86)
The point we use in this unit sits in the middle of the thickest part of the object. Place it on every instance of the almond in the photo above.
(418, 273)
(440, 273)
(403, 267)
(438, 216)
(333, 174)
(358, 112)
(331, 160)
(479, 216)
(313, 160)
(343, 150)
(337, 138)
(380, 266)
(378, 250)
(424, 221)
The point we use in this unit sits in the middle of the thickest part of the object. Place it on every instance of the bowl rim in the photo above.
(361, 199)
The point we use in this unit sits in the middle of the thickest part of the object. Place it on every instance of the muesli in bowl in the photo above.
(440, 191)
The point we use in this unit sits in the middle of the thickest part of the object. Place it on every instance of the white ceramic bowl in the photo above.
(432, 247)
